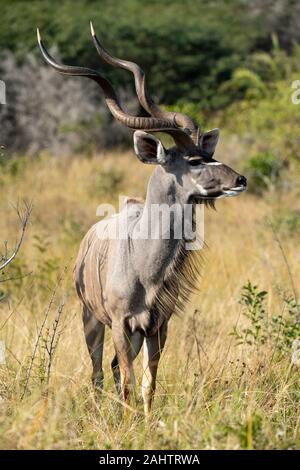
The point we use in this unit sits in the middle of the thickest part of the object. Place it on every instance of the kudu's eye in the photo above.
(194, 161)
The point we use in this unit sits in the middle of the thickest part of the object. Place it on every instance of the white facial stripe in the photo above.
(211, 163)
(203, 191)
(226, 193)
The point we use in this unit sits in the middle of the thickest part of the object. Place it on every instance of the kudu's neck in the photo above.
(164, 205)
(163, 188)
(163, 221)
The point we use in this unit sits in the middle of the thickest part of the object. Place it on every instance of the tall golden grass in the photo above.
(212, 393)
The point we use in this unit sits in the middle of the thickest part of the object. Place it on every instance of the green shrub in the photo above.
(263, 170)
(253, 302)
(244, 84)
(280, 329)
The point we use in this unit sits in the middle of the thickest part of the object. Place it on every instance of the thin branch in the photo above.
(54, 340)
(6, 279)
(40, 332)
(24, 218)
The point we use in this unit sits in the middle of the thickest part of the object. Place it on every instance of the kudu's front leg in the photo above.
(153, 347)
(121, 339)
(136, 342)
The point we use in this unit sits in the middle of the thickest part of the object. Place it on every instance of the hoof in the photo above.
(98, 383)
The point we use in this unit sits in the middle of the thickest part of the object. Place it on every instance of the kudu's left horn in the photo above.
(160, 121)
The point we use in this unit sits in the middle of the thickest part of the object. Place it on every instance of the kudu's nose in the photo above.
(241, 181)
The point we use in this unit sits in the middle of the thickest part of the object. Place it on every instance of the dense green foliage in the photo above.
(227, 63)
(282, 330)
(187, 47)
(261, 111)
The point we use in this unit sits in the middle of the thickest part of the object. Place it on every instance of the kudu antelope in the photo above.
(134, 285)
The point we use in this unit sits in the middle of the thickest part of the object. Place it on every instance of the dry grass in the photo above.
(211, 393)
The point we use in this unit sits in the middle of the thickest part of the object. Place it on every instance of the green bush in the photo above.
(244, 84)
(268, 127)
(278, 329)
(263, 170)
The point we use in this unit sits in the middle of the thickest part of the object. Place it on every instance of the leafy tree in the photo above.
(187, 48)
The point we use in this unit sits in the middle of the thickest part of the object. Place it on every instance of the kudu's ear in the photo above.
(208, 141)
(149, 149)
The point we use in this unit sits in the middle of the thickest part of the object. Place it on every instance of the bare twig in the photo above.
(40, 332)
(24, 218)
(54, 340)
(6, 279)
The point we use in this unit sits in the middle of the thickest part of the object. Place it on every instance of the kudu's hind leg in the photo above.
(153, 347)
(136, 342)
(94, 336)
